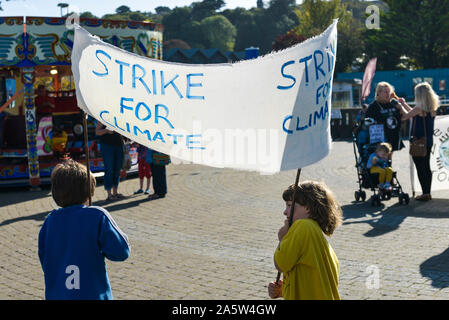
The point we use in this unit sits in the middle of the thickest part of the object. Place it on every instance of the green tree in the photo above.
(177, 22)
(206, 8)
(248, 32)
(316, 15)
(275, 20)
(122, 10)
(88, 14)
(287, 40)
(162, 10)
(413, 34)
(218, 33)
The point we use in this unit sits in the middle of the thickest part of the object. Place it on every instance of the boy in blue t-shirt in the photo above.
(75, 239)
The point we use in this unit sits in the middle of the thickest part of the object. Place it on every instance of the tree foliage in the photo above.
(218, 33)
(316, 15)
(412, 34)
(287, 40)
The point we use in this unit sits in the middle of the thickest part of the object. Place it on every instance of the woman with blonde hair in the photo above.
(386, 110)
(423, 114)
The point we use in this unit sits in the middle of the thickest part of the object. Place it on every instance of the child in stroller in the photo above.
(382, 181)
(378, 163)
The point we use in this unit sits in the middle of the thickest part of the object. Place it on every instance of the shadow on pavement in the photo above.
(37, 217)
(118, 205)
(436, 269)
(110, 206)
(21, 194)
(385, 219)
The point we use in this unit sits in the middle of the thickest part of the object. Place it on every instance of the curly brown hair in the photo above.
(69, 183)
(321, 202)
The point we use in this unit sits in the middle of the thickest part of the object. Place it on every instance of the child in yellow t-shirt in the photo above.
(309, 265)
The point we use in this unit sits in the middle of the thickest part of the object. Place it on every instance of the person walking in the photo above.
(423, 114)
(111, 145)
(304, 256)
(158, 161)
(75, 239)
(386, 110)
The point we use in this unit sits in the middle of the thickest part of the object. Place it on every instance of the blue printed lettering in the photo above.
(101, 116)
(140, 78)
(284, 126)
(175, 137)
(171, 82)
(157, 115)
(104, 65)
(158, 135)
(287, 76)
(318, 66)
(189, 85)
(305, 59)
(122, 105)
(147, 132)
(147, 110)
(189, 141)
(121, 63)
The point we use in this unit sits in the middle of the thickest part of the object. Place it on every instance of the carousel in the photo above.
(40, 122)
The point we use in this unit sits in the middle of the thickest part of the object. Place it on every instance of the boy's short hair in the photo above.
(385, 146)
(69, 183)
(321, 202)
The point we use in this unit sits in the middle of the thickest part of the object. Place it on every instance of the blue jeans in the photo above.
(112, 159)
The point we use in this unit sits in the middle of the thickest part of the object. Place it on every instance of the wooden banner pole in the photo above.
(292, 210)
(86, 148)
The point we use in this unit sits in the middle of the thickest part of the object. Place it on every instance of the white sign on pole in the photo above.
(376, 133)
(266, 114)
(439, 157)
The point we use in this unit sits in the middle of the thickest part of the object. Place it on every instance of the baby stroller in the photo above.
(367, 180)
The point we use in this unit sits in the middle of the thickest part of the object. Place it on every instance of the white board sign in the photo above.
(266, 114)
(439, 157)
(376, 133)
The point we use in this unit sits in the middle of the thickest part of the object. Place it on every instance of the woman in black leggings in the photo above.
(424, 112)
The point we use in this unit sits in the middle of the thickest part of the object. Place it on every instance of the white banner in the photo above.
(268, 114)
(439, 157)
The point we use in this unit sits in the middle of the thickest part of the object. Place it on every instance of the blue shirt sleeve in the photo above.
(112, 241)
(41, 242)
(369, 164)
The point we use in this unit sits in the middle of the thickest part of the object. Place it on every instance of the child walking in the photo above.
(308, 263)
(378, 163)
(143, 168)
(75, 239)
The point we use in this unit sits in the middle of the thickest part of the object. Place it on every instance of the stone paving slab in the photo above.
(214, 234)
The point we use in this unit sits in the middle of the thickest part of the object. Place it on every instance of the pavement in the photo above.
(214, 234)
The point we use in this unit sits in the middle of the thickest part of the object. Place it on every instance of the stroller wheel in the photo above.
(357, 196)
(363, 195)
(375, 200)
(386, 195)
(404, 198)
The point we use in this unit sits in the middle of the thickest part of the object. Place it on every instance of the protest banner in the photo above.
(439, 158)
(267, 114)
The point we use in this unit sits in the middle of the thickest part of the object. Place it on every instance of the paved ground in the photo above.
(214, 234)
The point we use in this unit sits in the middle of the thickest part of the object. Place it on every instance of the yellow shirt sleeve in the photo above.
(308, 263)
(292, 246)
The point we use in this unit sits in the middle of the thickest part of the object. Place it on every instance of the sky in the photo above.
(49, 8)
